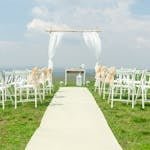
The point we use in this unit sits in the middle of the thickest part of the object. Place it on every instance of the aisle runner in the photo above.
(73, 121)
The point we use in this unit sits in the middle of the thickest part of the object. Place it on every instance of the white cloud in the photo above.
(38, 25)
(40, 11)
(42, 26)
(122, 30)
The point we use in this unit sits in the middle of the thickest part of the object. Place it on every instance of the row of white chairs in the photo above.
(126, 85)
(25, 86)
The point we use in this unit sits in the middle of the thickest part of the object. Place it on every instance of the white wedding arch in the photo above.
(91, 38)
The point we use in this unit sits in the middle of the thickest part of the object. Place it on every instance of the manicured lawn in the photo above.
(131, 127)
(17, 126)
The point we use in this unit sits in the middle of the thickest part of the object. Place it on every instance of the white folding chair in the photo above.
(46, 81)
(138, 83)
(2, 90)
(108, 81)
(2, 96)
(145, 89)
(28, 88)
(122, 86)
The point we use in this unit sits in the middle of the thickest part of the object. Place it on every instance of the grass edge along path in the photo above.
(17, 126)
(130, 126)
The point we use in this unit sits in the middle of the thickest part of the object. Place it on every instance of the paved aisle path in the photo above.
(73, 121)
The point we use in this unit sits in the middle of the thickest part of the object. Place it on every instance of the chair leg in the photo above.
(104, 90)
(95, 89)
(15, 98)
(35, 97)
(137, 93)
(112, 97)
(50, 89)
(40, 94)
(43, 92)
(143, 99)
(120, 93)
(99, 88)
(3, 99)
(5, 94)
(128, 96)
(27, 94)
(20, 92)
(109, 95)
(133, 92)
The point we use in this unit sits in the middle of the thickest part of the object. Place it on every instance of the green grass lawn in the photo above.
(130, 126)
(17, 126)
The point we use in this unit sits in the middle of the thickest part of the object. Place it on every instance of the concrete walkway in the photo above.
(73, 121)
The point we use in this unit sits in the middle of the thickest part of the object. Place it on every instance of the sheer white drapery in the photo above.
(55, 38)
(92, 40)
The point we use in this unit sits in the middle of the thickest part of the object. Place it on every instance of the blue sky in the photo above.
(141, 7)
(14, 15)
(125, 36)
